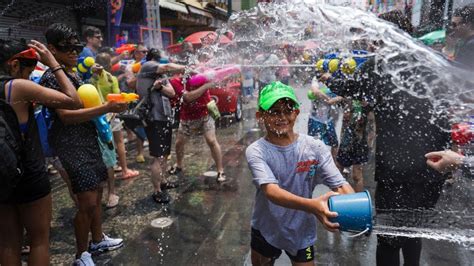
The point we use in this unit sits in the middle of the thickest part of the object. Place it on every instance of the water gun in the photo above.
(214, 75)
(84, 67)
(462, 133)
(90, 98)
(122, 97)
(126, 47)
(334, 63)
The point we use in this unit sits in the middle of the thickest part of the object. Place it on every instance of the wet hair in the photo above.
(9, 48)
(153, 54)
(466, 13)
(399, 19)
(90, 31)
(59, 32)
(103, 59)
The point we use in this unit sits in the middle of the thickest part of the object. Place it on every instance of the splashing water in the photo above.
(269, 28)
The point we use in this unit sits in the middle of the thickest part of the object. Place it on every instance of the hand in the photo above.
(322, 212)
(124, 55)
(444, 161)
(116, 107)
(325, 77)
(97, 69)
(45, 56)
(158, 84)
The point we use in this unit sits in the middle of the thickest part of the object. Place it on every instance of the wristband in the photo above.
(57, 68)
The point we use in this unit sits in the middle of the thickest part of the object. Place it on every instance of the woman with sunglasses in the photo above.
(29, 206)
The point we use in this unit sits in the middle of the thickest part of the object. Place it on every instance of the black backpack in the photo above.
(10, 145)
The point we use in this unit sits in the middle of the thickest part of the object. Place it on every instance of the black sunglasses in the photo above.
(69, 48)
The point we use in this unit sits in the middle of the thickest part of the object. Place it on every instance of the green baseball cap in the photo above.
(275, 91)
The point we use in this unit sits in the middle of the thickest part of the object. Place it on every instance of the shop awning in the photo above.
(174, 6)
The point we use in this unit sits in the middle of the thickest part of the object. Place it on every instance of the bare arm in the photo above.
(171, 68)
(317, 206)
(344, 189)
(335, 100)
(190, 96)
(69, 117)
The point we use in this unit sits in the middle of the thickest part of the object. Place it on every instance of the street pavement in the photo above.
(209, 224)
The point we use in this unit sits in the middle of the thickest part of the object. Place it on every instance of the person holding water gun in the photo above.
(74, 139)
(107, 85)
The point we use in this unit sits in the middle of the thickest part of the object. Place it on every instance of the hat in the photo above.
(275, 91)
(147, 75)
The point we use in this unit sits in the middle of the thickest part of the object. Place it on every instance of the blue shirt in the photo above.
(296, 168)
(86, 52)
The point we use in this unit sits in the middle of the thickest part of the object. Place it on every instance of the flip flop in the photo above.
(113, 201)
(131, 174)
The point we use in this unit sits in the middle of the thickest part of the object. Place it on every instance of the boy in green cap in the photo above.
(286, 167)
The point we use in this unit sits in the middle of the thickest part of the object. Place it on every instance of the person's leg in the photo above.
(387, 254)
(358, 178)
(122, 157)
(11, 233)
(158, 167)
(411, 249)
(181, 140)
(112, 197)
(216, 153)
(304, 257)
(140, 151)
(82, 221)
(96, 222)
(260, 260)
(261, 252)
(36, 218)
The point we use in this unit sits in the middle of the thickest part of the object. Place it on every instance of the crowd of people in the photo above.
(284, 194)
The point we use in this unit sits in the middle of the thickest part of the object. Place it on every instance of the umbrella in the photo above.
(206, 37)
(434, 37)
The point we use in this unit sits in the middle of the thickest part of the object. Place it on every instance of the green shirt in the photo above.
(105, 83)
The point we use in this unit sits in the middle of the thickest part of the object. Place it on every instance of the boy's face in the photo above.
(280, 118)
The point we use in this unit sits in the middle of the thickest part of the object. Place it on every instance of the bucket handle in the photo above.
(360, 233)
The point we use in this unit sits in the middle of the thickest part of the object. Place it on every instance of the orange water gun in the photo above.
(126, 47)
(122, 97)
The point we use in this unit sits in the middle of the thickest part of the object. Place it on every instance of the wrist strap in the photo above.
(56, 68)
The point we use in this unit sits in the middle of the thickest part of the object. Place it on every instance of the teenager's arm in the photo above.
(171, 68)
(344, 189)
(317, 206)
(190, 96)
(83, 115)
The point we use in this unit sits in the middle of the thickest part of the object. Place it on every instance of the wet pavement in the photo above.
(209, 224)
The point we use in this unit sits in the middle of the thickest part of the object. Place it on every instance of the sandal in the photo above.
(169, 185)
(175, 170)
(129, 174)
(113, 201)
(221, 177)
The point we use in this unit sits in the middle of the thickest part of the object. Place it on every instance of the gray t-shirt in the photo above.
(161, 106)
(297, 168)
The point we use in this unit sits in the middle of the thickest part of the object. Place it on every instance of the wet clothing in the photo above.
(159, 135)
(297, 168)
(197, 126)
(259, 244)
(407, 127)
(194, 110)
(465, 53)
(323, 131)
(76, 145)
(34, 183)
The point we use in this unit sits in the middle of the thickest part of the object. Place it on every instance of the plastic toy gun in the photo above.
(214, 75)
(333, 62)
(90, 98)
(122, 97)
(126, 47)
(324, 89)
(84, 67)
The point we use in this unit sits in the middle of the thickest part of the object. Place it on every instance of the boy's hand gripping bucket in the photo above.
(354, 212)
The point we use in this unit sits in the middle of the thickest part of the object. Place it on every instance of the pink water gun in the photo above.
(214, 75)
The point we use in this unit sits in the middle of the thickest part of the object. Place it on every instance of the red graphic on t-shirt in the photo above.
(305, 166)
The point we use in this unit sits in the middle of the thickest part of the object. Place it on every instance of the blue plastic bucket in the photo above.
(354, 211)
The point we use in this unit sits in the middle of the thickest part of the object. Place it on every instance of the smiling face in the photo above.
(67, 52)
(280, 119)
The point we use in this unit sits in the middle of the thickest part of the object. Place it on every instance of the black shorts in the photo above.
(159, 134)
(29, 189)
(259, 244)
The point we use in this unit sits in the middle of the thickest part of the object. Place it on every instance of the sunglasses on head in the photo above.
(69, 48)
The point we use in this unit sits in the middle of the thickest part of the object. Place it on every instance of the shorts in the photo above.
(197, 126)
(324, 132)
(29, 189)
(353, 151)
(108, 155)
(159, 134)
(259, 244)
(116, 124)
